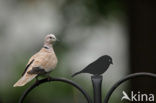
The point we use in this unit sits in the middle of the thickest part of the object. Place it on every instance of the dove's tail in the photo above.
(24, 80)
(76, 73)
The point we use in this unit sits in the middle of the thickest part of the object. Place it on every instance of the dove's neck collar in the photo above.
(47, 46)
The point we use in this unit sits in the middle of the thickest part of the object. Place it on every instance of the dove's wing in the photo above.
(25, 77)
(27, 67)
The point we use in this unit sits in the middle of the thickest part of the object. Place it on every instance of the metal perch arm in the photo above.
(131, 76)
(27, 91)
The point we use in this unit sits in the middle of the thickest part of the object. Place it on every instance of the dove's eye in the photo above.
(50, 37)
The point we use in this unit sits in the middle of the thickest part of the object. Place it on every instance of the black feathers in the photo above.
(37, 70)
(97, 67)
(27, 67)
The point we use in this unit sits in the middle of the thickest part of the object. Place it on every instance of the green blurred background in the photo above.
(87, 29)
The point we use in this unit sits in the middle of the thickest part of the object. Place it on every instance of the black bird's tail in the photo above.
(76, 74)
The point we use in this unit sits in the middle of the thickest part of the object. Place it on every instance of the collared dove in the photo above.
(41, 63)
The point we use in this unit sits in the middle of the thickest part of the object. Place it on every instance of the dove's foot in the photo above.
(37, 80)
(49, 77)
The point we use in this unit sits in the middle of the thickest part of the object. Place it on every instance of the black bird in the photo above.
(97, 67)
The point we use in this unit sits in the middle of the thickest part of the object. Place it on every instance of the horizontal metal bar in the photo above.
(27, 91)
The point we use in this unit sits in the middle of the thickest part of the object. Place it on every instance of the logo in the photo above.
(137, 97)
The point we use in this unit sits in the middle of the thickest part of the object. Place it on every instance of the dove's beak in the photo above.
(57, 40)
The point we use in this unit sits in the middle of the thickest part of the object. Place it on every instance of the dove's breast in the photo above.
(51, 62)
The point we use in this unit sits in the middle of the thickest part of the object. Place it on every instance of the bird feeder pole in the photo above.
(97, 82)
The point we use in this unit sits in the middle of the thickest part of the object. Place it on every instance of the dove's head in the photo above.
(50, 39)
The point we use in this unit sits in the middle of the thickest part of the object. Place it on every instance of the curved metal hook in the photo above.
(51, 80)
(131, 76)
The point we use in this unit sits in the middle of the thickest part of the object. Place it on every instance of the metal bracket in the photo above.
(96, 81)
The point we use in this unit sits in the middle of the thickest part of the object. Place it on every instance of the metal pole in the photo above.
(97, 82)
